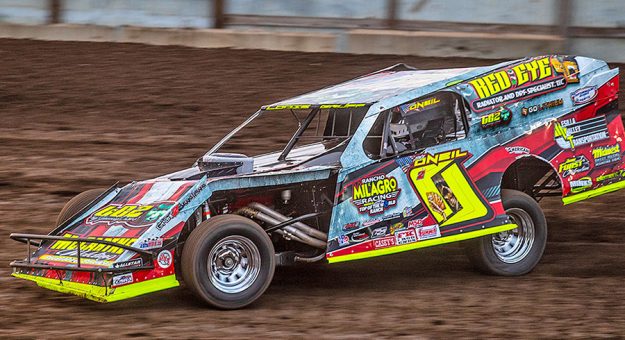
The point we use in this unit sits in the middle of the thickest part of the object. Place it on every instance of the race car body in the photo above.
(392, 161)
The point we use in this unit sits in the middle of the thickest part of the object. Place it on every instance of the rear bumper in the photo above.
(100, 293)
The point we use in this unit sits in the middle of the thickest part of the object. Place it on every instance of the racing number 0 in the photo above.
(446, 190)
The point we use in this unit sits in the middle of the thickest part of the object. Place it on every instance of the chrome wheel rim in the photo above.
(233, 264)
(512, 246)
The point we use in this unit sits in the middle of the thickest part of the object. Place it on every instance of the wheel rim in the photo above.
(233, 264)
(513, 245)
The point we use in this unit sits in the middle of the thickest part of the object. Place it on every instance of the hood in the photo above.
(127, 216)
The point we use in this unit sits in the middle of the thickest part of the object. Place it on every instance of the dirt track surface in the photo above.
(80, 115)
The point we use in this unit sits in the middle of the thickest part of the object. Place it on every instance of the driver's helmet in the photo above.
(399, 130)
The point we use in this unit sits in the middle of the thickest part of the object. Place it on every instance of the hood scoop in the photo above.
(224, 164)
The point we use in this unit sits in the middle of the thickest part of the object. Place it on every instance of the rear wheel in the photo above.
(517, 251)
(77, 203)
(228, 261)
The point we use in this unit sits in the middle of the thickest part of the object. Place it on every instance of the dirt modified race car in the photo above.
(395, 160)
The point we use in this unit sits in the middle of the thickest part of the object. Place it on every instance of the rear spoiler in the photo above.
(37, 240)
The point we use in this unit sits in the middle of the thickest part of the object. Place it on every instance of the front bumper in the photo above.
(100, 288)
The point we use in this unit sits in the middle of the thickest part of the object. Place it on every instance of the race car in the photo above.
(395, 160)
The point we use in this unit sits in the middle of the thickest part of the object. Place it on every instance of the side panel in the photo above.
(559, 109)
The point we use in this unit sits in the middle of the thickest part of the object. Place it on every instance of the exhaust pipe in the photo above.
(289, 231)
(299, 225)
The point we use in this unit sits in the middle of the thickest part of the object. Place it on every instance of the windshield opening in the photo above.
(286, 130)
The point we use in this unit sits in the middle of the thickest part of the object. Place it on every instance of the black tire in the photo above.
(202, 246)
(77, 203)
(488, 258)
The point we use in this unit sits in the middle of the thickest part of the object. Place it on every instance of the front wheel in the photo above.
(228, 261)
(517, 251)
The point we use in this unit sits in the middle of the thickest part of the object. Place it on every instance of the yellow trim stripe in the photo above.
(593, 193)
(422, 244)
(98, 293)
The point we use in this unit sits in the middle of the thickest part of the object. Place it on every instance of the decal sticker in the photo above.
(127, 264)
(415, 223)
(289, 107)
(120, 280)
(90, 253)
(151, 243)
(379, 232)
(419, 105)
(129, 214)
(584, 95)
(384, 242)
(343, 240)
(405, 237)
(359, 236)
(164, 259)
(574, 165)
(428, 232)
(397, 226)
(540, 107)
(567, 66)
(371, 222)
(580, 184)
(375, 194)
(351, 226)
(611, 177)
(524, 80)
(517, 150)
(606, 154)
(493, 119)
(569, 133)
(446, 190)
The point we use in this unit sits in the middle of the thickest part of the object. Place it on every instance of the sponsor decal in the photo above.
(427, 158)
(159, 211)
(289, 107)
(343, 240)
(341, 106)
(405, 236)
(379, 232)
(419, 105)
(428, 232)
(540, 107)
(371, 222)
(177, 207)
(120, 280)
(580, 184)
(570, 133)
(567, 67)
(151, 243)
(67, 251)
(127, 264)
(415, 223)
(164, 259)
(74, 260)
(606, 154)
(574, 165)
(351, 226)
(391, 216)
(384, 242)
(128, 214)
(527, 79)
(407, 212)
(503, 116)
(375, 194)
(611, 177)
(517, 150)
(359, 236)
(397, 226)
(584, 95)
